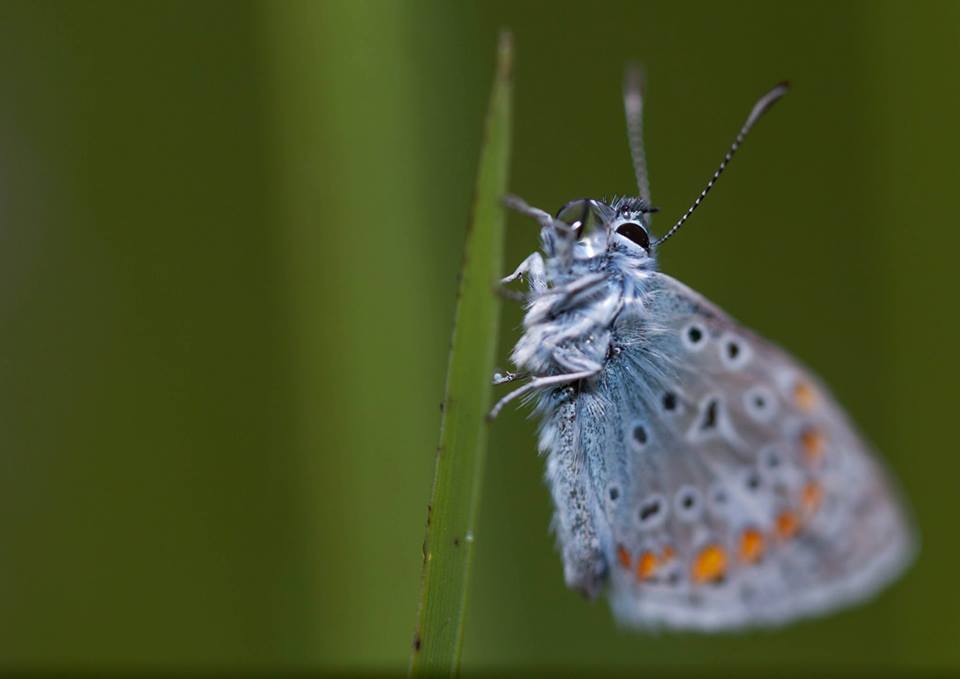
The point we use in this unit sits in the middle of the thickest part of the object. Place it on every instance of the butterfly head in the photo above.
(602, 234)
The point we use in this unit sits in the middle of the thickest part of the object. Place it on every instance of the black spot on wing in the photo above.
(711, 415)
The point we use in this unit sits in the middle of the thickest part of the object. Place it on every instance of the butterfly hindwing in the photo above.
(719, 483)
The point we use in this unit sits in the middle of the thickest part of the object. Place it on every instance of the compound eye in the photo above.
(636, 233)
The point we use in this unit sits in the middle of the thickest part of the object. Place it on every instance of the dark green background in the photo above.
(229, 240)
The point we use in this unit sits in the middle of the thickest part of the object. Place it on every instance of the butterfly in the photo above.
(701, 476)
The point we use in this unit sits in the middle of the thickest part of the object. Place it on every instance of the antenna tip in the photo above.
(777, 91)
(765, 102)
(634, 84)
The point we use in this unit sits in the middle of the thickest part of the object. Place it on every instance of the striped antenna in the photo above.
(762, 106)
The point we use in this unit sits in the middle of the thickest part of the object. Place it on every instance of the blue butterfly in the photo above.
(701, 476)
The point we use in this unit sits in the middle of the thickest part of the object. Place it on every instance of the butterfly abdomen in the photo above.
(575, 522)
(574, 427)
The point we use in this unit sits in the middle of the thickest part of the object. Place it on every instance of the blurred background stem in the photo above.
(361, 117)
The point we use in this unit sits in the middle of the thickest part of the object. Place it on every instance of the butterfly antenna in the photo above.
(762, 106)
(633, 87)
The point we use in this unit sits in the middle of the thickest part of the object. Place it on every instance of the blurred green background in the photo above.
(229, 241)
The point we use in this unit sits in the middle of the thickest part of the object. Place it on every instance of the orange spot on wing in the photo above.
(751, 545)
(787, 524)
(667, 553)
(710, 564)
(813, 443)
(804, 397)
(646, 565)
(623, 556)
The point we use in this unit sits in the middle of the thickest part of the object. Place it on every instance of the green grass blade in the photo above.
(448, 546)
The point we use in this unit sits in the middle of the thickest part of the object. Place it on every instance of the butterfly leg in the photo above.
(517, 204)
(511, 295)
(506, 377)
(574, 293)
(557, 236)
(539, 383)
(533, 269)
(584, 564)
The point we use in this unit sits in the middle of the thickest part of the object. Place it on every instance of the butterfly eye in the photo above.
(635, 233)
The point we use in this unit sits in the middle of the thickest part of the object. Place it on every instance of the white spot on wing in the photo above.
(760, 403)
(735, 352)
(694, 336)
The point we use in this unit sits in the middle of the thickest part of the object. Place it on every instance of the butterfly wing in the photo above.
(729, 489)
